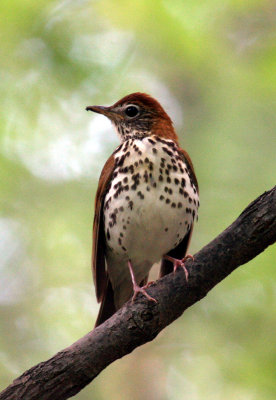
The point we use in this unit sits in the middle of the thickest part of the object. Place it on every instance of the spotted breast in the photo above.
(149, 208)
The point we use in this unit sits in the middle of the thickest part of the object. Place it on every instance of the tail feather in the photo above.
(107, 307)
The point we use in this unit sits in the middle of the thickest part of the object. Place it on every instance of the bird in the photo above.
(146, 203)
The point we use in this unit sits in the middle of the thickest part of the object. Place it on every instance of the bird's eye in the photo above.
(132, 111)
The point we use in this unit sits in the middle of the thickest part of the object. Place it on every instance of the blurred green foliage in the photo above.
(213, 66)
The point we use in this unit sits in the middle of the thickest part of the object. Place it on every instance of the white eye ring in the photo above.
(131, 110)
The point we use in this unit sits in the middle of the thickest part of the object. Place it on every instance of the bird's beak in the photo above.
(107, 111)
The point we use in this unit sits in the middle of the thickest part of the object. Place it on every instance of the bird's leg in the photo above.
(148, 284)
(180, 263)
(136, 288)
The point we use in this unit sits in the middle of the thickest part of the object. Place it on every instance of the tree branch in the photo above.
(70, 370)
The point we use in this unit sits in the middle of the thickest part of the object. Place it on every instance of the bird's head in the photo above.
(138, 115)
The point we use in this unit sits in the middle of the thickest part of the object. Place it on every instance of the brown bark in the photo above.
(70, 370)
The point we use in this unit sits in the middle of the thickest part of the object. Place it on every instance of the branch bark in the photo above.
(73, 368)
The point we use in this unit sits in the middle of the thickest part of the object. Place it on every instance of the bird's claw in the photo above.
(137, 289)
(180, 263)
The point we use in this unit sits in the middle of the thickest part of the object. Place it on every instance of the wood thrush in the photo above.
(146, 203)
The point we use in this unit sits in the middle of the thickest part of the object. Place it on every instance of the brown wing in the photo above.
(100, 275)
(191, 171)
(181, 250)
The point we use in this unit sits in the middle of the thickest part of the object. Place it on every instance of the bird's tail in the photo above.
(107, 307)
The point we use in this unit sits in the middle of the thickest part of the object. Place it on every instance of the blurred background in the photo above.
(212, 65)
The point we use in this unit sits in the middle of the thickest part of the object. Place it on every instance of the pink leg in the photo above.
(136, 288)
(180, 263)
(149, 284)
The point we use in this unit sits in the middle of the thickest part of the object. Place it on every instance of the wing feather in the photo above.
(100, 274)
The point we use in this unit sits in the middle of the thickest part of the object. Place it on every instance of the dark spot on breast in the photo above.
(160, 178)
(161, 197)
(118, 184)
(146, 176)
(113, 217)
(169, 179)
(124, 148)
(166, 229)
(140, 194)
(176, 181)
(173, 205)
(120, 161)
(123, 170)
(179, 205)
(130, 204)
(154, 150)
(168, 201)
(167, 151)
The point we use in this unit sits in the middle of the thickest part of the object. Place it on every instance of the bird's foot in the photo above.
(180, 263)
(136, 288)
(148, 284)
